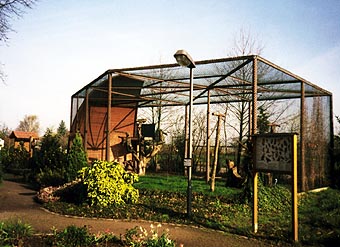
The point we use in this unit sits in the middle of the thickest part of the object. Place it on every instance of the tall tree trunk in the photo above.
(217, 144)
(144, 160)
(240, 137)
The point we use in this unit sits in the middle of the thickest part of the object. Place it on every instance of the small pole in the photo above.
(208, 140)
(189, 190)
(255, 202)
(108, 120)
(294, 192)
(253, 131)
(217, 144)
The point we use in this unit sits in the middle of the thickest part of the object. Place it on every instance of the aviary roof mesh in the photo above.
(227, 80)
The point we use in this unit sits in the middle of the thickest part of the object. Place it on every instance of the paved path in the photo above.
(16, 202)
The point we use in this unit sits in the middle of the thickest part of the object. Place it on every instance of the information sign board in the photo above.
(273, 152)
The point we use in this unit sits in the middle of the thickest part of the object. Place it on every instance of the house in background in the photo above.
(26, 138)
(2, 143)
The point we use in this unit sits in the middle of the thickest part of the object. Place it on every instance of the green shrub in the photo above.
(49, 177)
(13, 231)
(52, 165)
(14, 157)
(1, 172)
(274, 199)
(49, 163)
(108, 183)
(74, 236)
(73, 192)
(77, 158)
(140, 237)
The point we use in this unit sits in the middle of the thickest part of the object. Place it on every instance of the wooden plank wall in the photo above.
(122, 124)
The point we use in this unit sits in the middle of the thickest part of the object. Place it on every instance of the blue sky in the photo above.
(60, 46)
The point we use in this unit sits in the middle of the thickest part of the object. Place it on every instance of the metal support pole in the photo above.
(331, 145)
(86, 119)
(184, 59)
(302, 166)
(294, 192)
(186, 134)
(71, 115)
(77, 115)
(108, 120)
(208, 140)
(189, 191)
(253, 130)
(254, 98)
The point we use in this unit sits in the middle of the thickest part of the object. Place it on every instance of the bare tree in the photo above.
(8, 10)
(30, 123)
(159, 116)
(244, 44)
(217, 144)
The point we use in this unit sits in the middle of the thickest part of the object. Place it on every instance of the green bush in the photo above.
(52, 165)
(14, 158)
(274, 199)
(1, 172)
(140, 237)
(77, 158)
(49, 164)
(74, 236)
(49, 177)
(73, 192)
(108, 183)
(13, 231)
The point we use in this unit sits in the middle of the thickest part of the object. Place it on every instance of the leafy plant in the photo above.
(274, 199)
(108, 183)
(105, 238)
(51, 177)
(76, 158)
(52, 166)
(13, 231)
(319, 213)
(319, 217)
(140, 237)
(50, 161)
(1, 172)
(14, 157)
(74, 236)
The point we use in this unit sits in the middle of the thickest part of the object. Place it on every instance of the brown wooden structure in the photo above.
(105, 110)
(27, 139)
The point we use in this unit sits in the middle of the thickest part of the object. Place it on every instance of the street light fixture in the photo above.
(184, 59)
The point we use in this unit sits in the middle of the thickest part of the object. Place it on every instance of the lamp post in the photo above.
(184, 59)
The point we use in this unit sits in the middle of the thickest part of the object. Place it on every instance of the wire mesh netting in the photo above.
(293, 101)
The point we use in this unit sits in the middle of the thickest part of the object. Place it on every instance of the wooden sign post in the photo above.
(276, 153)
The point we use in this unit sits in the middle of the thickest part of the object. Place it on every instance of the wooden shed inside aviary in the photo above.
(105, 111)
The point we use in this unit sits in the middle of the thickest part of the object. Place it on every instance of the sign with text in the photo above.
(276, 152)
(187, 162)
(273, 152)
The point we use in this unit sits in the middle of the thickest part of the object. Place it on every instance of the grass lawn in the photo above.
(163, 198)
(174, 183)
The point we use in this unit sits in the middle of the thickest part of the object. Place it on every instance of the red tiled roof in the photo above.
(23, 135)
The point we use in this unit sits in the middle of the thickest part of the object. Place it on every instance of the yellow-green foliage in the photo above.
(108, 183)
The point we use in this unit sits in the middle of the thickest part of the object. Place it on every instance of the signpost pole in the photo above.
(294, 192)
(255, 205)
(267, 146)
